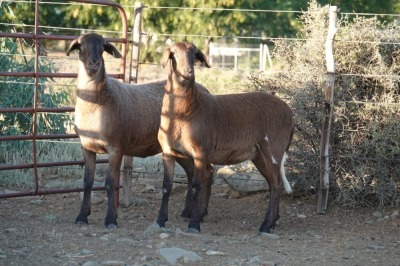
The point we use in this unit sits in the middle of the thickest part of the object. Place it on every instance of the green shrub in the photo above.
(18, 92)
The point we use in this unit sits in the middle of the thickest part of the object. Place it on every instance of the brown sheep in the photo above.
(222, 129)
(119, 119)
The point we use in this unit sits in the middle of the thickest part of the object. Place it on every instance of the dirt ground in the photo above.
(41, 231)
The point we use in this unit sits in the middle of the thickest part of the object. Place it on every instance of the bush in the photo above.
(365, 137)
(18, 92)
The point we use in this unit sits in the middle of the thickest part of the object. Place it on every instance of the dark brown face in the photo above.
(91, 47)
(91, 52)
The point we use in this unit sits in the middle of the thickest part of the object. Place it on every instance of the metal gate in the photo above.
(36, 110)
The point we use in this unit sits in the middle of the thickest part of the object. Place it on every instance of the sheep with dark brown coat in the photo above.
(116, 118)
(222, 129)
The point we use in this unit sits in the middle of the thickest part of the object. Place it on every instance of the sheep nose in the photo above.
(189, 71)
(94, 63)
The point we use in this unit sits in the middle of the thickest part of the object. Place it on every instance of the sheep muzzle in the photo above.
(92, 66)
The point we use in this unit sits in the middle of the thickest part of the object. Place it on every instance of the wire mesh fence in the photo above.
(359, 89)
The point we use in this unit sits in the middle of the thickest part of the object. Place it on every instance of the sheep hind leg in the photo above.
(269, 168)
(202, 180)
(88, 179)
(187, 165)
(169, 169)
(208, 181)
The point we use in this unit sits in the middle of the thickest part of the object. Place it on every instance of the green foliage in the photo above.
(365, 6)
(207, 23)
(18, 92)
(365, 135)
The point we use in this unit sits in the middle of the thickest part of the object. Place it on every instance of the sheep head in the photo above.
(182, 56)
(91, 47)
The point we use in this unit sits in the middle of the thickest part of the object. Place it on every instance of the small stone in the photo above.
(301, 216)
(126, 240)
(377, 214)
(50, 218)
(86, 251)
(254, 260)
(164, 235)
(94, 198)
(376, 247)
(179, 231)
(10, 230)
(161, 245)
(395, 214)
(247, 182)
(153, 228)
(37, 202)
(91, 263)
(113, 263)
(171, 255)
(150, 188)
(104, 238)
(215, 253)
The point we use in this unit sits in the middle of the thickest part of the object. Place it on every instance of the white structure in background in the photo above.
(225, 52)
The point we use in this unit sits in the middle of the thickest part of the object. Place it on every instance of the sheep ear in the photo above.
(166, 57)
(74, 45)
(202, 58)
(109, 48)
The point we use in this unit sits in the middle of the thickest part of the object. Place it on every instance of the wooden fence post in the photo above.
(136, 37)
(132, 78)
(326, 126)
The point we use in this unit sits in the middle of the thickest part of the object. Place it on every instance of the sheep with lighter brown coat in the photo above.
(222, 130)
(116, 118)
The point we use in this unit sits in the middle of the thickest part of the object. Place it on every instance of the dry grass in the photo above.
(365, 138)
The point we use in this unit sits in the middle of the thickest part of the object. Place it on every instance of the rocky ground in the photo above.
(41, 231)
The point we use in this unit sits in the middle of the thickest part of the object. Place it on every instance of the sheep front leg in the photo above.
(201, 188)
(113, 173)
(90, 167)
(169, 169)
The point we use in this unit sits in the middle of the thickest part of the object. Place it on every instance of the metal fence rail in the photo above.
(37, 36)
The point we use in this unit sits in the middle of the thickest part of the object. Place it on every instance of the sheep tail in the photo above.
(286, 184)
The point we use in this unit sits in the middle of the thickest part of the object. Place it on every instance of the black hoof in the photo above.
(193, 231)
(81, 222)
(111, 226)
(162, 225)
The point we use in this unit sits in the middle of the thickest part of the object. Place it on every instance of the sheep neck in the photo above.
(182, 94)
(91, 88)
